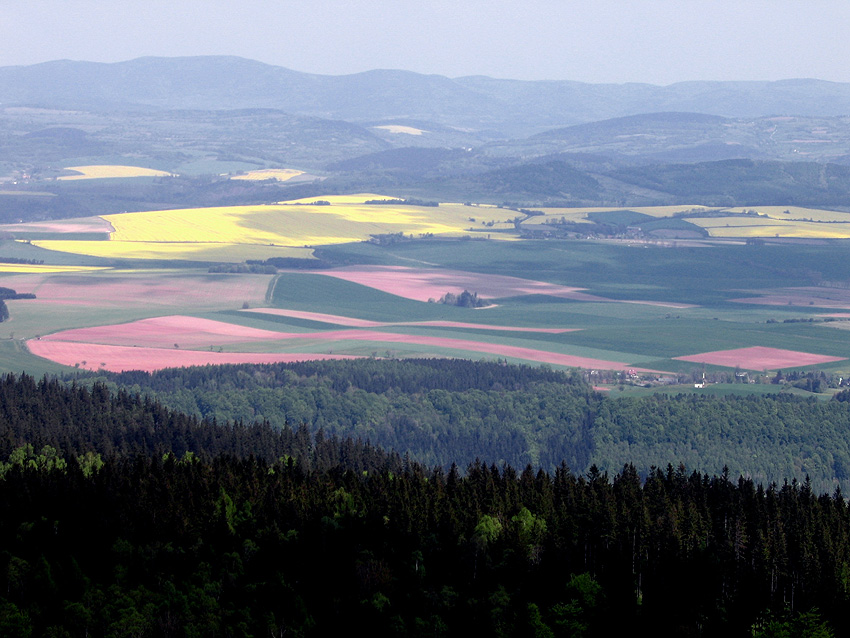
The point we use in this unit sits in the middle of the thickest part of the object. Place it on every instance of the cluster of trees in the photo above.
(409, 201)
(257, 269)
(120, 517)
(20, 260)
(8, 293)
(465, 299)
(292, 263)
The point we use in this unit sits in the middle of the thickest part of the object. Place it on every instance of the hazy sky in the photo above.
(655, 41)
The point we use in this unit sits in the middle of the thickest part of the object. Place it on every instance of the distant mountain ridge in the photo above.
(493, 107)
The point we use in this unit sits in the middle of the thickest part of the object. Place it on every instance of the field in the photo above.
(107, 171)
(277, 174)
(796, 213)
(760, 358)
(397, 128)
(147, 338)
(44, 269)
(235, 233)
(173, 250)
(118, 358)
(295, 228)
(770, 227)
(81, 225)
(675, 308)
(363, 323)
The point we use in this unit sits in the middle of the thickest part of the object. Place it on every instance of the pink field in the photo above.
(114, 346)
(79, 225)
(365, 323)
(201, 291)
(759, 358)
(120, 358)
(320, 316)
(423, 284)
(164, 332)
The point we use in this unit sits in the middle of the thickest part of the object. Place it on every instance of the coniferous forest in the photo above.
(121, 517)
(445, 411)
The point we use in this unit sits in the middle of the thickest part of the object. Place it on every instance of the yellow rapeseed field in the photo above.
(298, 225)
(794, 213)
(45, 268)
(235, 233)
(187, 251)
(278, 174)
(767, 227)
(102, 171)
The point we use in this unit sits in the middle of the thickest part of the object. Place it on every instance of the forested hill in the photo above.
(506, 106)
(444, 411)
(440, 410)
(116, 542)
(45, 420)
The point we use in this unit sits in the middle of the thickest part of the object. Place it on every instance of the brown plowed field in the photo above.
(759, 358)
(159, 335)
(78, 225)
(164, 332)
(202, 291)
(120, 358)
(423, 284)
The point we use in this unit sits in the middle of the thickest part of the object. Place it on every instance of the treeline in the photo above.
(8, 293)
(20, 260)
(408, 201)
(442, 411)
(204, 544)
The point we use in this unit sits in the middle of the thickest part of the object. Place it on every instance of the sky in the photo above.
(599, 41)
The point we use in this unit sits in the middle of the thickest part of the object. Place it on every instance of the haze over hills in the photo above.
(408, 134)
(502, 108)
